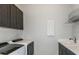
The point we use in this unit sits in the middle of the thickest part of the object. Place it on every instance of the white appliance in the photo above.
(12, 49)
(24, 42)
(20, 51)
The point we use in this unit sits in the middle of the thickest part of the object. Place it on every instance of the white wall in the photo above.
(63, 29)
(35, 26)
(7, 34)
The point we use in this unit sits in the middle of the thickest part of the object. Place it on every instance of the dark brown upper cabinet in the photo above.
(13, 21)
(11, 16)
(4, 15)
(19, 19)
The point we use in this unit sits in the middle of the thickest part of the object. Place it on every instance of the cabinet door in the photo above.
(64, 51)
(68, 52)
(13, 16)
(5, 15)
(60, 49)
(30, 49)
(19, 19)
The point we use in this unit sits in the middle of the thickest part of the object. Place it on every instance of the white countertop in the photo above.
(74, 47)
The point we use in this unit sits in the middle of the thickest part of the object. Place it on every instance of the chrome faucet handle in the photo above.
(75, 40)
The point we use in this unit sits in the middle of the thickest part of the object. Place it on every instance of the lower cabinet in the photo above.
(64, 51)
(30, 49)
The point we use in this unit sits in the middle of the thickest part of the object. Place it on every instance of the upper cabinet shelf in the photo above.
(11, 16)
(74, 16)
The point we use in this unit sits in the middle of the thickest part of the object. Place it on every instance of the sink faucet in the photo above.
(75, 40)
